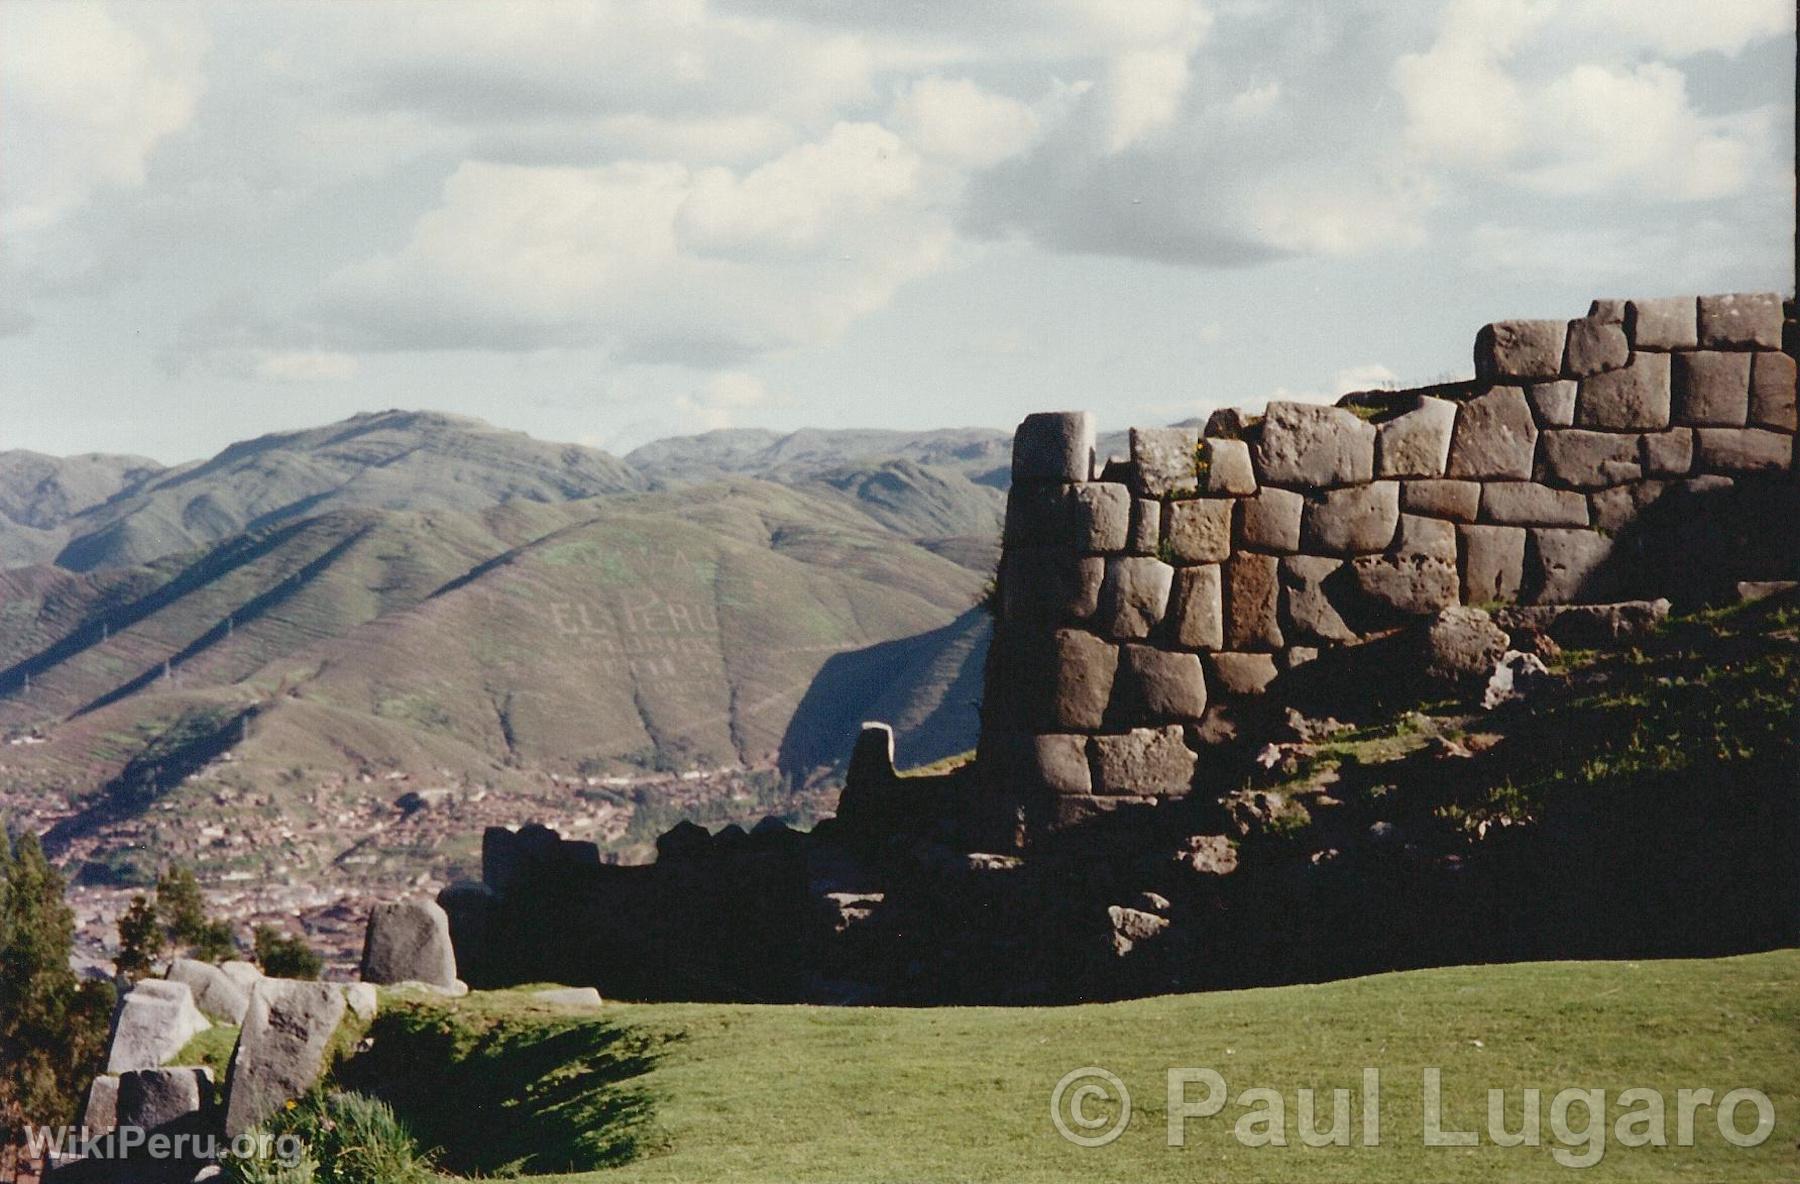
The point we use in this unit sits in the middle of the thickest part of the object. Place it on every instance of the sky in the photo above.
(608, 222)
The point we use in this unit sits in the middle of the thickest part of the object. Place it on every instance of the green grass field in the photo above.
(791, 1094)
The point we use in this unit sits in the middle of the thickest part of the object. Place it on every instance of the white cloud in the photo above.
(306, 366)
(955, 120)
(721, 398)
(1373, 376)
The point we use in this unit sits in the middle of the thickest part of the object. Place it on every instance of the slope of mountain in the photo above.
(920, 501)
(983, 455)
(39, 494)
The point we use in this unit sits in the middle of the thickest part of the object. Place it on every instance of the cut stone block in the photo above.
(1608, 311)
(1493, 563)
(1416, 443)
(1154, 686)
(1199, 609)
(1229, 472)
(281, 1051)
(1164, 459)
(1146, 526)
(1567, 566)
(1413, 585)
(1617, 508)
(1038, 515)
(408, 941)
(154, 1021)
(1590, 460)
(1526, 503)
(1199, 529)
(1588, 624)
(1050, 585)
(1669, 323)
(215, 994)
(174, 1100)
(1740, 320)
(1270, 521)
(1144, 762)
(1552, 402)
(101, 1112)
(1310, 614)
(1772, 392)
(1668, 454)
(1595, 346)
(1495, 437)
(1632, 399)
(1313, 446)
(1241, 674)
(1458, 501)
(1060, 763)
(1520, 350)
(1102, 517)
(1054, 446)
(1134, 596)
(1432, 538)
(1081, 680)
(1742, 450)
(1711, 388)
(1252, 595)
(1352, 521)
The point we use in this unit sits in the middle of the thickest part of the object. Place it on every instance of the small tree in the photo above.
(141, 940)
(182, 907)
(281, 956)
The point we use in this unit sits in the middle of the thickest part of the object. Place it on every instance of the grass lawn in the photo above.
(792, 1094)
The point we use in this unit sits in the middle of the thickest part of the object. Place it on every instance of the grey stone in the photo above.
(1352, 521)
(1432, 538)
(1229, 472)
(215, 994)
(1617, 508)
(1252, 595)
(1553, 403)
(1595, 346)
(1711, 388)
(1240, 674)
(1530, 350)
(1164, 459)
(1310, 614)
(1038, 515)
(281, 1050)
(1054, 446)
(1459, 501)
(101, 1111)
(1050, 585)
(363, 1000)
(1709, 483)
(1298, 655)
(1665, 324)
(1607, 312)
(1526, 503)
(1227, 423)
(1059, 763)
(1493, 563)
(1102, 517)
(1081, 680)
(1567, 566)
(1270, 521)
(1146, 526)
(1461, 645)
(1742, 450)
(154, 1021)
(244, 974)
(1199, 529)
(1741, 319)
(1632, 399)
(165, 1100)
(1417, 442)
(1132, 928)
(1144, 762)
(408, 941)
(1587, 624)
(1314, 446)
(1199, 607)
(1668, 454)
(1155, 685)
(1772, 392)
(1495, 437)
(1208, 855)
(1412, 585)
(1751, 591)
(586, 997)
(1134, 596)
(1590, 460)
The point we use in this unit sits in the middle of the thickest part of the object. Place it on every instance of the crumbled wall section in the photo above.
(1134, 591)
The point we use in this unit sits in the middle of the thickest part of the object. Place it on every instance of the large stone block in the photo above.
(1595, 346)
(1552, 402)
(408, 941)
(1432, 538)
(1668, 454)
(1312, 446)
(1310, 614)
(1711, 388)
(1742, 450)
(1155, 686)
(1495, 437)
(1101, 513)
(1352, 521)
(1050, 585)
(1199, 608)
(1526, 503)
(1493, 563)
(1199, 529)
(1740, 320)
(1590, 460)
(1617, 508)
(1038, 515)
(1054, 446)
(1417, 442)
(1459, 501)
(1240, 674)
(1059, 763)
(1252, 595)
(167, 1101)
(1633, 399)
(1270, 521)
(1665, 324)
(1164, 459)
(1134, 596)
(1144, 762)
(1520, 350)
(281, 1050)
(100, 1113)
(215, 994)
(1229, 472)
(1567, 566)
(1411, 585)
(1607, 311)
(154, 1021)
(1081, 680)
(1146, 526)
(1772, 392)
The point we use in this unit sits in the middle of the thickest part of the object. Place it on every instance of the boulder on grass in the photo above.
(216, 995)
(409, 941)
(155, 1021)
(281, 1050)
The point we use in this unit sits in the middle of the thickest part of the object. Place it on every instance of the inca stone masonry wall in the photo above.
(1136, 591)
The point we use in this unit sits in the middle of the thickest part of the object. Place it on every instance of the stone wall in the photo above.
(1643, 450)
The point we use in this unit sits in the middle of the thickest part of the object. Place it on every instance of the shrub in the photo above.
(281, 956)
(345, 1138)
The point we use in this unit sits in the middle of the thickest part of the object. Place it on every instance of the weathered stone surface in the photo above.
(1668, 454)
(1607, 311)
(1461, 645)
(1740, 319)
(1146, 526)
(1144, 761)
(1772, 392)
(1054, 446)
(1432, 538)
(1617, 508)
(101, 1111)
(1665, 324)
(281, 1050)
(1711, 388)
(1495, 437)
(1552, 402)
(154, 1021)
(1059, 763)
(1252, 593)
(1038, 515)
(1590, 460)
(1240, 674)
(1208, 855)
(1310, 614)
(1567, 566)
(585, 997)
(1270, 521)
(1742, 450)
(409, 941)
(1530, 350)
(1132, 928)
(1632, 399)
(1595, 346)
(1134, 596)
(1458, 501)
(1229, 472)
(1199, 607)
(1081, 680)
(1412, 585)
(1199, 529)
(363, 1000)
(179, 1098)
(1526, 503)
(1417, 442)
(1154, 686)
(1102, 517)
(1493, 563)
(1308, 445)
(244, 974)
(1587, 624)
(215, 994)
(1352, 521)
(1050, 585)
(1164, 458)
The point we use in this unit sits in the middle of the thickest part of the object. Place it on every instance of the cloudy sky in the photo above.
(613, 221)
